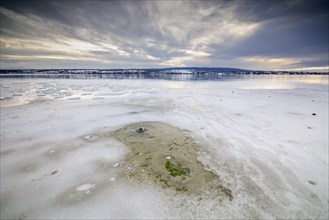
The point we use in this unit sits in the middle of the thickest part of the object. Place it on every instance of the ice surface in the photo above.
(257, 134)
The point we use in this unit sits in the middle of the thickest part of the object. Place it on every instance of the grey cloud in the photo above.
(257, 11)
(27, 26)
(311, 63)
(290, 39)
(153, 32)
(43, 9)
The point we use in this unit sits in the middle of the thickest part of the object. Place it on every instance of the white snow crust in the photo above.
(259, 134)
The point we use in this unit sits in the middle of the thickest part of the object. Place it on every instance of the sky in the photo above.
(247, 34)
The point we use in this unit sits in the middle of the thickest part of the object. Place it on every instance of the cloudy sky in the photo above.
(266, 35)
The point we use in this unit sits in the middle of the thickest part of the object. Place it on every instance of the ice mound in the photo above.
(167, 156)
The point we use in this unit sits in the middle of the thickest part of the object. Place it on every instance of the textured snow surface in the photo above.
(266, 137)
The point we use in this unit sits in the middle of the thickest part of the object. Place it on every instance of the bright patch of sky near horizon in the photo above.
(267, 35)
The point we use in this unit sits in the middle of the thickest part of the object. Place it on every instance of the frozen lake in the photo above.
(264, 137)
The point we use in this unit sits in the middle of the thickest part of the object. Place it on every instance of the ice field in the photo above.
(264, 137)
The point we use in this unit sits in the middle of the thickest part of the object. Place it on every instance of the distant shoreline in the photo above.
(163, 71)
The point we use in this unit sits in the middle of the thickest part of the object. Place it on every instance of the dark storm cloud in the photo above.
(260, 34)
(286, 38)
(256, 10)
(290, 26)
(41, 8)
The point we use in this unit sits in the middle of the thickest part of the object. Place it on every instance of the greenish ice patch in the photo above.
(175, 170)
(167, 156)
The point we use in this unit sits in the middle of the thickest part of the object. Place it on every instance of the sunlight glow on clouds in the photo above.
(143, 34)
(269, 62)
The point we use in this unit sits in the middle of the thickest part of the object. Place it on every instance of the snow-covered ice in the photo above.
(259, 134)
